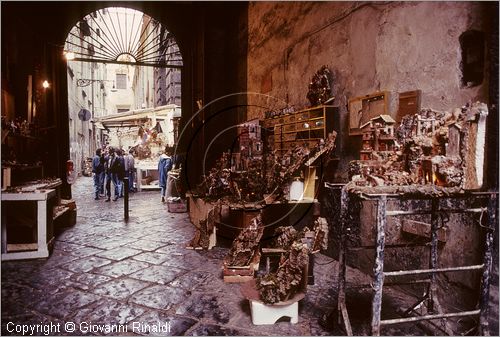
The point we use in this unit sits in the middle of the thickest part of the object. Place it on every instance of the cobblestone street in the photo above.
(104, 270)
(108, 271)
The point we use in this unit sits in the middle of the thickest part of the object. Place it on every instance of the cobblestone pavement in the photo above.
(108, 271)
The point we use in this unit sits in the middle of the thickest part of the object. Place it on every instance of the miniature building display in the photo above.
(378, 135)
(204, 221)
(268, 174)
(419, 192)
(453, 145)
(425, 125)
(249, 145)
(288, 279)
(445, 149)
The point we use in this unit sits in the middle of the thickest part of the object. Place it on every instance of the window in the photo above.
(121, 81)
(472, 46)
(122, 110)
(84, 28)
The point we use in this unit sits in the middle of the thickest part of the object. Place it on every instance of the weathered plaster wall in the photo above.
(395, 46)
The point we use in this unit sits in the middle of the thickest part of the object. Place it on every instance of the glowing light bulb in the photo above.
(45, 84)
(69, 55)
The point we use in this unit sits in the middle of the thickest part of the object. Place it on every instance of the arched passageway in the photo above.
(124, 85)
(214, 64)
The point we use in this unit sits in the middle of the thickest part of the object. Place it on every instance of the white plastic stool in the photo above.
(269, 314)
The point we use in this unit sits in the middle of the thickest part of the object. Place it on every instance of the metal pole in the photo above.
(488, 263)
(429, 317)
(125, 197)
(434, 304)
(434, 253)
(433, 270)
(378, 269)
(341, 300)
(451, 210)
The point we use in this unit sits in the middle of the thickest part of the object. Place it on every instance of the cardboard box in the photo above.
(177, 206)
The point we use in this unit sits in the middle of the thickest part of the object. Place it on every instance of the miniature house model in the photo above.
(378, 135)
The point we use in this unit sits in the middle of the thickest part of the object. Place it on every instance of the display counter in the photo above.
(15, 206)
(147, 175)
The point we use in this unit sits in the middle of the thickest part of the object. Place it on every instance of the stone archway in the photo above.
(119, 59)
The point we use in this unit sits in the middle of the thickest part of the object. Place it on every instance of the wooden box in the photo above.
(409, 104)
(364, 108)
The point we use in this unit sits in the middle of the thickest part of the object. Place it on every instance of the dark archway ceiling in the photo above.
(51, 21)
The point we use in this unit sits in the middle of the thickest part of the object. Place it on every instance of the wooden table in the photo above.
(147, 168)
(40, 248)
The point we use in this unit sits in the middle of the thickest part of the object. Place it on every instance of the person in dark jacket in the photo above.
(103, 173)
(97, 170)
(117, 168)
(164, 165)
(130, 169)
(107, 166)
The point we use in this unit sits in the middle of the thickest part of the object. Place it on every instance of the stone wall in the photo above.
(370, 47)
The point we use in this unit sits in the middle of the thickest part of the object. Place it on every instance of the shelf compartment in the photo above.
(316, 114)
(289, 127)
(289, 119)
(302, 116)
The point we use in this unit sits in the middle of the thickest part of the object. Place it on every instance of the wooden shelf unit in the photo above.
(304, 127)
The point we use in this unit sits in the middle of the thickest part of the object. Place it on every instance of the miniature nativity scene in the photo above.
(400, 215)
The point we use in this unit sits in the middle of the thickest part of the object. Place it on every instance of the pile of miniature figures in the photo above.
(246, 245)
(291, 276)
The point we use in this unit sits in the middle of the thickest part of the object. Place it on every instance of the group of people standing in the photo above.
(112, 166)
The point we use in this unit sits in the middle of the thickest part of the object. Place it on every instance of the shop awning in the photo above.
(137, 117)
